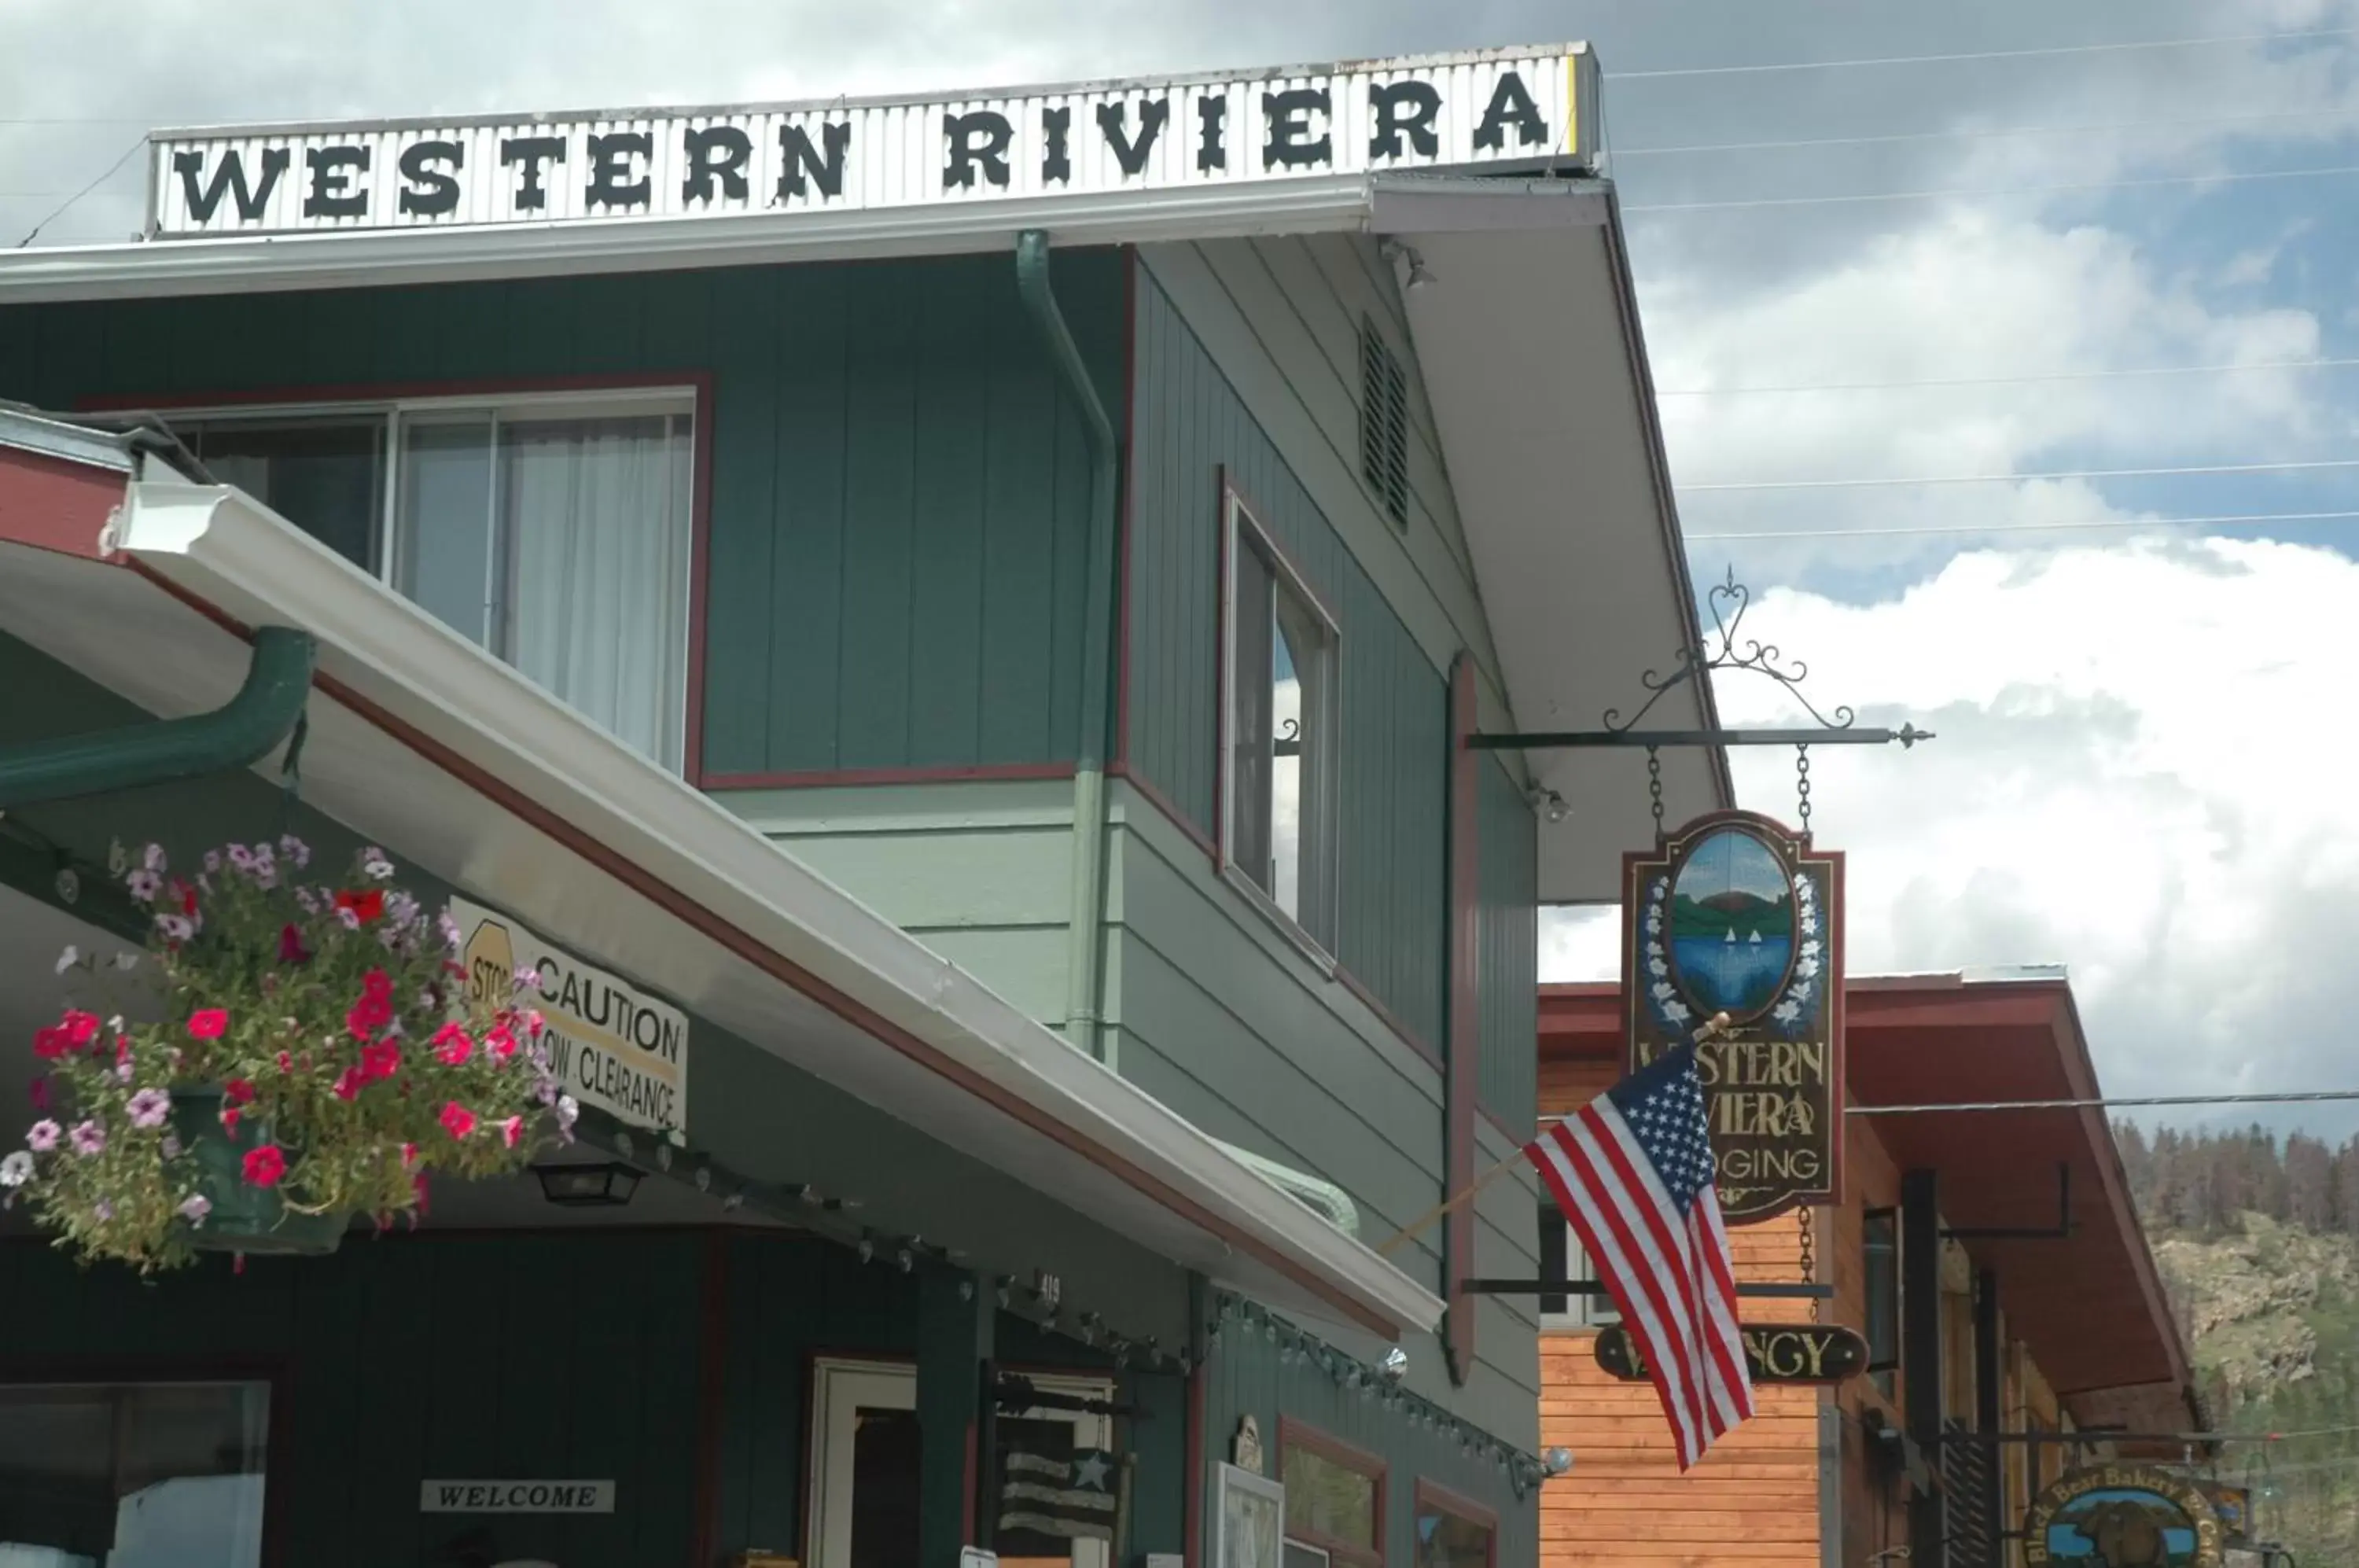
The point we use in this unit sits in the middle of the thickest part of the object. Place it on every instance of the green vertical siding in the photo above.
(1245, 1374)
(1192, 426)
(899, 490)
(1507, 982)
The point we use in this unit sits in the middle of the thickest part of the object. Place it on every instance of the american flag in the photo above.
(1633, 1173)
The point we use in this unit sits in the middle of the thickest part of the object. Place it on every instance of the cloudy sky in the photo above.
(2143, 769)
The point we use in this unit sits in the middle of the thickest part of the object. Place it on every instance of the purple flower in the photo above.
(44, 1136)
(195, 1207)
(241, 858)
(310, 903)
(152, 858)
(213, 860)
(171, 1146)
(375, 864)
(526, 980)
(89, 1139)
(452, 936)
(144, 884)
(149, 1107)
(123, 1072)
(295, 850)
(568, 1111)
(69, 958)
(176, 928)
(401, 909)
(103, 1209)
(16, 1170)
(352, 921)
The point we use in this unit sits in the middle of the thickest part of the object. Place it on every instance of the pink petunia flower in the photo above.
(458, 1120)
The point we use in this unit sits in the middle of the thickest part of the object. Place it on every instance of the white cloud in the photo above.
(2143, 772)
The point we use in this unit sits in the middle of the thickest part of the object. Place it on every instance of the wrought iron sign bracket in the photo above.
(1594, 1288)
(1721, 650)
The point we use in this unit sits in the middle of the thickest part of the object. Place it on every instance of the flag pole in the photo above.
(1704, 1032)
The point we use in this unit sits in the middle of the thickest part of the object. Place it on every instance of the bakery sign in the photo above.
(1534, 108)
(1736, 914)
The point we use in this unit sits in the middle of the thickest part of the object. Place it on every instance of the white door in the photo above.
(863, 1493)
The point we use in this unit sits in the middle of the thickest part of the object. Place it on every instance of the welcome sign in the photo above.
(1508, 107)
(1736, 914)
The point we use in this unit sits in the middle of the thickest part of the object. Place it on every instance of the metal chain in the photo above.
(1655, 786)
(1802, 783)
(1809, 1261)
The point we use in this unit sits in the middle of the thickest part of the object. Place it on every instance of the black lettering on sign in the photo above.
(1404, 109)
(1774, 1352)
(532, 155)
(611, 184)
(803, 165)
(229, 175)
(1511, 104)
(1211, 127)
(431, 191)
(1056, 132)
(1287, 138)
(1113, 125)
(332, 193)
(978, 140)
(716, 154)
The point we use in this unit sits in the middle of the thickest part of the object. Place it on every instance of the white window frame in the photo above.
(617, 402)
(1242, 530)
(841, 1386)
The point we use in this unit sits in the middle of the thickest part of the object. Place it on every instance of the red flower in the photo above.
(79, 1027)
(376, 984)
(380, 1061)
(188, 896)
(511, 1130)
(40, 1092)
(365, 906)
(418, 1185)
(348, 1084)
(286, 1062)
(452, 1045)
(207, 1023)
(229, 1118)
(50, 1044)
(500, 1043)
(238, 1091)
(290, 946)
(458, 1120)
(408, 1155)
(533, 1023)
(264, 1166)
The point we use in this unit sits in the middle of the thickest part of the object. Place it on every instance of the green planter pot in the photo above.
(244, 1219)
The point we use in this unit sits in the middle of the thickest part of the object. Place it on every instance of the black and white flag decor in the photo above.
(1071, 1497)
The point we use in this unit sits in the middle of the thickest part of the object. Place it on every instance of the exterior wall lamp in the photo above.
(607, 1186)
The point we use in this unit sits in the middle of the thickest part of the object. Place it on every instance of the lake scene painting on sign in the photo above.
(1732, 924)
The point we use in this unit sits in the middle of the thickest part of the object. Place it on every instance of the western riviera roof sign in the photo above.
(1500, 107)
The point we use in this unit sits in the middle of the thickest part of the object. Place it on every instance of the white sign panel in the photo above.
(1506, 107)
(613, 1045)
(516, 1497)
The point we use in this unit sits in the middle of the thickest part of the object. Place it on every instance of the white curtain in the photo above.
(595, 513)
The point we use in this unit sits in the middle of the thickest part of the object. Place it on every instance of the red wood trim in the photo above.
(1466, 1021)
(55, 503)
(141, 1366)
(1122, 627)
(712, 1351)
(700, 481)
(1154, 797)
(1401, 1031)
(1434, 1499)
(718, 783)
(1233, 491)
(788, 973)
(1293, 1433)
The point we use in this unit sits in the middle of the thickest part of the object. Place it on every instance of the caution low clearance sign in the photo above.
(611, 1044)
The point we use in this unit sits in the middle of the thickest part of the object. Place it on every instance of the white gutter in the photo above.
(219, 545)
(251, 264)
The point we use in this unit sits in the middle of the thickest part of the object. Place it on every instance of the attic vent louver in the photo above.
(1383, 423)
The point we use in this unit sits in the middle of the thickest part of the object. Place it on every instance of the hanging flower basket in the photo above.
(319, 1055)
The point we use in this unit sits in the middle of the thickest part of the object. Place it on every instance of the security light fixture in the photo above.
(1419, 276)
(1557, 1461)
(1552, 805)
(607, 1186)
(1396, 1363)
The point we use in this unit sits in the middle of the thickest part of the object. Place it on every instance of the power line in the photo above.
(2014, 380)
(1981, 132)
(2025, 478)
(1981, 54)
(35, 232)
(2066, 525)
(2310, 1096)
(1756, 203)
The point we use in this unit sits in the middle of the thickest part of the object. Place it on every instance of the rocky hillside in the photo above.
(2272, 1309)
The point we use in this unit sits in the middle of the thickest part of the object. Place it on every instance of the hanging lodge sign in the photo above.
(1532, 108)
(1774, 1352)
(1736, 914)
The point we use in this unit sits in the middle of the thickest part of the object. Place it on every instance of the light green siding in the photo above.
(1509, 971)
(897, 488)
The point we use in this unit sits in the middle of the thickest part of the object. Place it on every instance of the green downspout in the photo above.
(1085, 960)
(236, 735)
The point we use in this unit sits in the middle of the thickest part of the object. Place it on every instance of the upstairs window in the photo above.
(1562, 1259)
(1383, 423)
(1279, 825)
(1452, 1532)
(1880, 1241)
(552, 531)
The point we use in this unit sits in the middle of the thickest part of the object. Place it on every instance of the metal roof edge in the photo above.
(26, 429)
